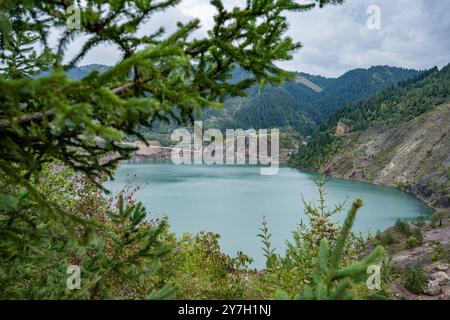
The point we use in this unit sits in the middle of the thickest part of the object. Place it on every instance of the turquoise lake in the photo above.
(231, 201)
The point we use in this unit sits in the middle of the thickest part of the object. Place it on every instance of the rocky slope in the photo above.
(429, 250)
(414, 156)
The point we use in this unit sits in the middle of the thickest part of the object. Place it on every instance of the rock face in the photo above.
(152, 151)
(423, 253)
(436, 284)
(435, 268)
(341, 129)
(414, 156)
(442, 267)
(432, 288)
(441, 277)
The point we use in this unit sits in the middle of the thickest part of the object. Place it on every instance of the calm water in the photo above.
(231, 200)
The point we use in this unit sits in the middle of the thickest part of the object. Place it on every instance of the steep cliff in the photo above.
(414, 156)
(400, 137)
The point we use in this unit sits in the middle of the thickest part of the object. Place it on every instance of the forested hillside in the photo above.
(399, 137)
(300, 107)
(292, 104)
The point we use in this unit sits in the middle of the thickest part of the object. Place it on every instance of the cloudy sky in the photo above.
(412, 34)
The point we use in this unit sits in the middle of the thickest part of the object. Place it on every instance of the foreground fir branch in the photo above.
(322, 261)
(331, 281)
(49, 121)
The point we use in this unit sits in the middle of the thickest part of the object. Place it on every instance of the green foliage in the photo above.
(202, 271)
(418, 235)
(62, 137)
(331, 281)
(301, 256)
(385, 239)
(81, 124)
(438, 252)
(294, 105)
(394, 105)
(437, 217)
(403, 227)
(322, 261)
(269, 252)
(115, 249)
(415, 279)
(390, 272)
(420, 221)
(412, 242)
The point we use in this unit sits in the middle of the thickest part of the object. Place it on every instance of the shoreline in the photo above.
(154, 152)
(286, 164)
(164, 155)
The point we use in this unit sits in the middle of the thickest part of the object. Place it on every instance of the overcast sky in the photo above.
(412, 34)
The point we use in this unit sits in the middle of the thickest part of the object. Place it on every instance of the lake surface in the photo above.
(231, 201)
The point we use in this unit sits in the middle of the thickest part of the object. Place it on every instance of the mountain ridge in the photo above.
(399, 137)
(304, 108)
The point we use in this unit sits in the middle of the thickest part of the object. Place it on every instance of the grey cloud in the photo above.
(414, 34)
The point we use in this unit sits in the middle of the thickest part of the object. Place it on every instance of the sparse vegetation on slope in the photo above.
(397, 138)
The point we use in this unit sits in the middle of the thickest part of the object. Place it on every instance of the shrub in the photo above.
(415, 279)
(420, 222)
(202, 271)
(403, 227)
(438, 251)
(115, 245)
(437, 217)
(269, 252)
(295, 266)
(412, 242)
(385, 239)
(331, 280)
(417, 234)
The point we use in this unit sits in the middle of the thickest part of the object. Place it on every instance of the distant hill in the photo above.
(304, 104)
(81, 72)
(399, 137)
(301, 105)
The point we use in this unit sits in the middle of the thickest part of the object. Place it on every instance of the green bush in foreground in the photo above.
(331, 281)
(415, 279)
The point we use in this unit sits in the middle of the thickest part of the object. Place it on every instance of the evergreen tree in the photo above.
(81, 124)
(331, 280)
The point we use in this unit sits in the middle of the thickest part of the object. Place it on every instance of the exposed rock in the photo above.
(423, 253)
(438, 199)
(437, 272)
(441, 235)
(418, 255)
(437, 285)
(441, 277)
(445, 295)
(413, 156)
(442, 267)
(152, 151)
(341, 128)
(432, 288)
